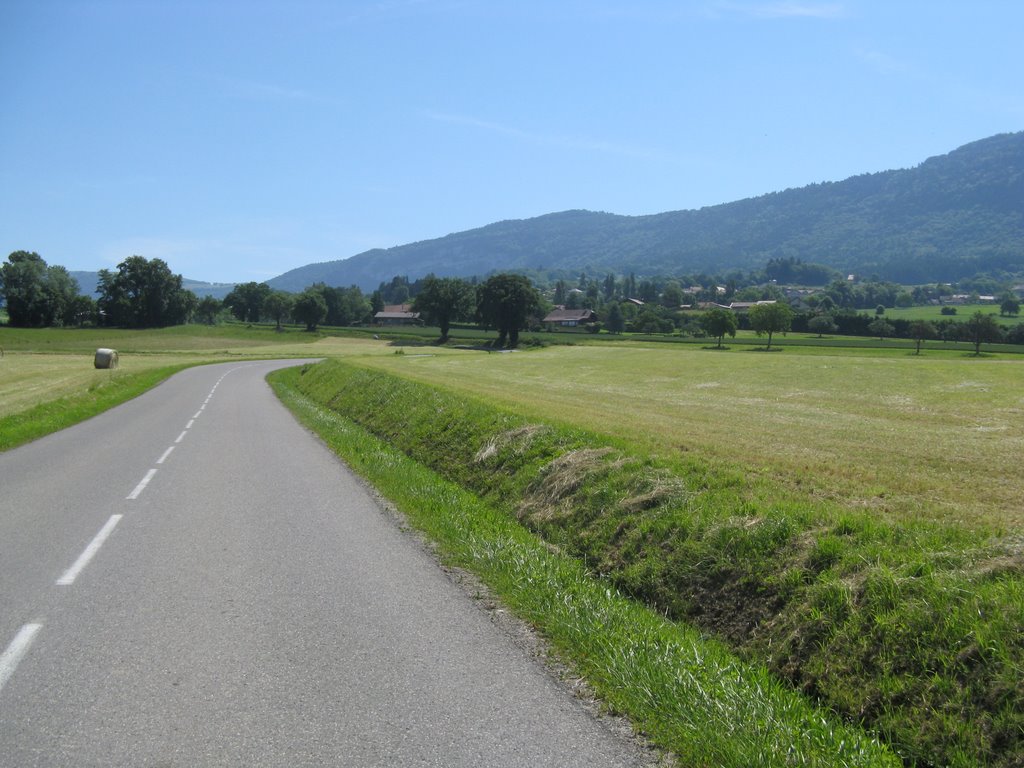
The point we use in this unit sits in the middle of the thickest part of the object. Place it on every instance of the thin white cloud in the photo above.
(581, 143)
(786, 9)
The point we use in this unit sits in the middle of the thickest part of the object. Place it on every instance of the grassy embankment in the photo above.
(689, 694)
(720, 488)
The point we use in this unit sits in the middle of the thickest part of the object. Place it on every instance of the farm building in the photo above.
(570, 318)
(397, 314)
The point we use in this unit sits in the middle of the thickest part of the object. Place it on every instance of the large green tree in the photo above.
(345, 306)
(442, 300)
(277, 307)
(672, 295)
(208, 309)
(37, 295)
(980, 329)
(310, 308)
(718, 322)
(504, 302)
(144, 293)
(616, 321)
(770, 319)
(246, 301)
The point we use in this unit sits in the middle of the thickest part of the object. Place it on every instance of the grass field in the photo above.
(963, 312)
(936, 436)
(48, 382)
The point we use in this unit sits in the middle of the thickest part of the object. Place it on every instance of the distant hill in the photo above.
(88, 281)
(950, 217)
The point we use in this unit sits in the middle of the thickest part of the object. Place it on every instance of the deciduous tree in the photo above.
(616, 321)
(920, 331)
(310, 308)
(208, 309)
(504, 302)
(37, 295)
(718, 322)
(442, 300)
(881, 328)
(980, 329)
(277, 306)
(770, 319)
(822, 324)
(143, 293)
(246, 301)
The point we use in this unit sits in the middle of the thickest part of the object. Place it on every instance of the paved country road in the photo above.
(192, 579)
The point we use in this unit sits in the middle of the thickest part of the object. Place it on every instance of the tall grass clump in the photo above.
(911, 629)
(687, 693)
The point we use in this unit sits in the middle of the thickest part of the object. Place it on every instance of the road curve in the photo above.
(192, 579)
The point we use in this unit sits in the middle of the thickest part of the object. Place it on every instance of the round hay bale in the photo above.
(105, 358)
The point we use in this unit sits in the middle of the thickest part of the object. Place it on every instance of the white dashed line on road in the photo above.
(90, 551)
(142, 485)
(10, 658)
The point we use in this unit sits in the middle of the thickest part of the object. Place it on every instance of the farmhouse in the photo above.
(397, 314)
(743, 306)
(570, 317)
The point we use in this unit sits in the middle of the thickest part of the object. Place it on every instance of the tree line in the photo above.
(143, 293)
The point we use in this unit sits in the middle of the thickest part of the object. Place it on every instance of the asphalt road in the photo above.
(192, 579)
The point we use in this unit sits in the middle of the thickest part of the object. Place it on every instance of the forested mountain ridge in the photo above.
(950, 217)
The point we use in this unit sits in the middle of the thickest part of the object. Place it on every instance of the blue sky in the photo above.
(238, 140)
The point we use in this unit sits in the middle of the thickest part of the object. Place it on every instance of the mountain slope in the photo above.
(950, 217)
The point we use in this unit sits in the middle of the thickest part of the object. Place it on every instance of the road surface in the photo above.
(192, 579)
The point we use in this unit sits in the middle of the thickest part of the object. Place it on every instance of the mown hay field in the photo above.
(48, 381)
(937, 436)
(42, 365)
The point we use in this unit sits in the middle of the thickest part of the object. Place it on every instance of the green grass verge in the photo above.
(911, 628)
(53, 415)
(687, 694)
